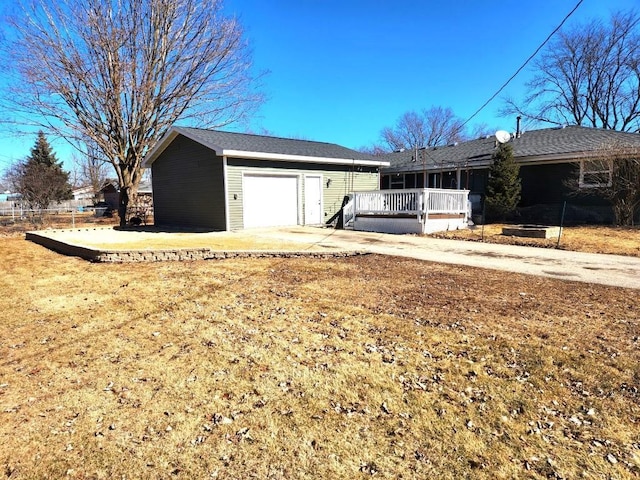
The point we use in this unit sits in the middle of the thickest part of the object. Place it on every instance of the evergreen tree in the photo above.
(503, 188)
(42, 153)
(39, 178)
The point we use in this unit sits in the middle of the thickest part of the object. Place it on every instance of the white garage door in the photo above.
(270, 200)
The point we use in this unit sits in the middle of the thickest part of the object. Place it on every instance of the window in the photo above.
(409, 180)
(595, 173)
(397, 181)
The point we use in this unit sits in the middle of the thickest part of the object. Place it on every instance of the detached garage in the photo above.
(215, 180)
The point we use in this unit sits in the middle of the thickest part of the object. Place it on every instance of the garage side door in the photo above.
(269, 200)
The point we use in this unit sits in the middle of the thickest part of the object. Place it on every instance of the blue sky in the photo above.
(341, 70)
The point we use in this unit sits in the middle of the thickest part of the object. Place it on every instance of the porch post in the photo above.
(425, 209)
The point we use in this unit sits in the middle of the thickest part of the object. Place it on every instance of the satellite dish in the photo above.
(503, 136)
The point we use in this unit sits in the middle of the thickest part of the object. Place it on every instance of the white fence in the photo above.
(19, 209)
(432, 209)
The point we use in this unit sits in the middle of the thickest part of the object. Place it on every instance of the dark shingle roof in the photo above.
(260, 143)
(262, 147)
(550, 144)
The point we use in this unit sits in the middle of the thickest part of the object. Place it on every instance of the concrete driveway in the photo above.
(612, 270)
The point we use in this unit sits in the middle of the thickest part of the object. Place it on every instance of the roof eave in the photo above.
(303, 158)
(166, 140)
(169, 137)
(521, 160)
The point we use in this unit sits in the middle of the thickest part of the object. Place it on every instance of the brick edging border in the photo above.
(175, 254)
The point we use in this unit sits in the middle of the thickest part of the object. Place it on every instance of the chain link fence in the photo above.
(14, 216)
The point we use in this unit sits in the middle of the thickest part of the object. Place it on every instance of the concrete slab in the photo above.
(614, 270)
(111, 245)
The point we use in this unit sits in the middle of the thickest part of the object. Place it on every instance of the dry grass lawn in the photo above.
(298, 368)
(590, 239)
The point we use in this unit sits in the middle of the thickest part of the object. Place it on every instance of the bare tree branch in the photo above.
(91, 168)
(590, 75)
(121, 72)
(613, 172)
(429, 128)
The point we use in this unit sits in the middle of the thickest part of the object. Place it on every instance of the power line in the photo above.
(524, 64)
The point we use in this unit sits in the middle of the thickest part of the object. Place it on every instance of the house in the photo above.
(218, 180)
(548, 159)
(110, 193)
(84, 194)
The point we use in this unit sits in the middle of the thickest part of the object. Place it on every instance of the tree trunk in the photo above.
(623, 214)
(123, 203)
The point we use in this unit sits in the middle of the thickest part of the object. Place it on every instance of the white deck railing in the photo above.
(348, 213)
(420, 210)
(420, 202)
(446, 201)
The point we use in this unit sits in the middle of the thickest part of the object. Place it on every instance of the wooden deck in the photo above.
(408, 211)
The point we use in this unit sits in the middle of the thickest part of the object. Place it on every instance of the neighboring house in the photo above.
(225, 181)
(110, 193)
(84, 194)
(548, 158)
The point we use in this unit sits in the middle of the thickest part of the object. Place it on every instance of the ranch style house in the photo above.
(548, 159)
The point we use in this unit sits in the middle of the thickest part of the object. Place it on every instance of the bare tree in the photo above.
(374, 150)
(589, 75)
(121, 72)
(91, 168)
(613, 172)
(429, 128)
(482, 130)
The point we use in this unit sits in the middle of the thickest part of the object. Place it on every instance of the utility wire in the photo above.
(524, 64)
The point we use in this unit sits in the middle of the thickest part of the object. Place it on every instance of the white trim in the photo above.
(608, 172)
(166, 140)
(158, 148)
(321, 178)
(302, 158)
(225, 180)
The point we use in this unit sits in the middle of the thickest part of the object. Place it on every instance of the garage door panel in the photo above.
(270, 200)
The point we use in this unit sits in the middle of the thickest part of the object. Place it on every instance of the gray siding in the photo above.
(344, 179)
(188, 187)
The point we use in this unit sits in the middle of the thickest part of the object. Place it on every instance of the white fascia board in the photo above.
(165, 141)
(302, 158)
(158, 148)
